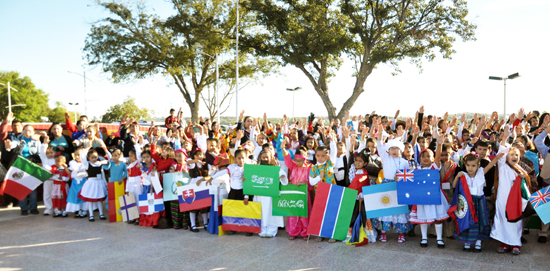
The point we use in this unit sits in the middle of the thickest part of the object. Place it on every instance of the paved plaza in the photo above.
(36, 242)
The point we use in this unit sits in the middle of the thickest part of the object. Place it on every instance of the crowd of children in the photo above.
(488, 154)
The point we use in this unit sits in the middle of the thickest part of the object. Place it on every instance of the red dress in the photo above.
(59, 188)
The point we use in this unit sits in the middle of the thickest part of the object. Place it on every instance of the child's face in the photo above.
(341, 148)
(513, 157)
(264, 158)
(394, 152)
(179, 157)
(92, 157)
(294, 134)
(408, 151)
(239, 159)
(299, 162)
(116, 157)
(146, 158)
(321, 156)
(187, 146)
(80, 126)
(422, 143)
(213, 147)
(310, 144)
(426, 159)
(261, 140)
(471, 167)
(132, 157)
(91, 132)
(445, 156)
(269, 149)
(482, 151)
(466, 136)
(371, 147)
(59, 161)
(76, 156)
(248, 123)
(50, 154)
(199, 156)
(359, 163)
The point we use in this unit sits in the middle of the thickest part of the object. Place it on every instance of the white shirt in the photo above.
(477, 183)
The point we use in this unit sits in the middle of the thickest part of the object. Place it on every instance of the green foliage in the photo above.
(314, 35)
(58, 113)
(117, 112)
(36, 100)
(134, 45)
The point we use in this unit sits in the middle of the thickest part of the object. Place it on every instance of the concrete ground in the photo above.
(36, 242)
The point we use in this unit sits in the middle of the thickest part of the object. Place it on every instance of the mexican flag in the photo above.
(23, 177)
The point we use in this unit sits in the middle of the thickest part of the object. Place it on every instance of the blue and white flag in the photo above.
(540, 200)
(418, 187)
(381, 200)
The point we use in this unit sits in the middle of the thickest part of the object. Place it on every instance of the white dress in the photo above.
(504, 231)
(270, 223)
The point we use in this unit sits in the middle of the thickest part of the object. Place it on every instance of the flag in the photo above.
(332, 211)
(261, 180)
(518, 205)
(218, 194)
(291, 202)
(239, 217)
(358, 235)
(114, 191)
(171, 182)
(539, 201)
(418, 187)
(22, 178)
(381, 200)
(462, 210)
(151, 203)
(128, 207)
(193, 197)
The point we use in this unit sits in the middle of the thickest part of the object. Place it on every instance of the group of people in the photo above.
(488, 153)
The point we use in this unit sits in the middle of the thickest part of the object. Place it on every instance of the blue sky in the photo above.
(44, 40)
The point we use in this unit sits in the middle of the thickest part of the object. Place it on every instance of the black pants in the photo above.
(237, 194)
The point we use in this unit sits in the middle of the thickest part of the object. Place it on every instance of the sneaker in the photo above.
(383, 238)
(401, 238)
(34, 212)
(24, 213)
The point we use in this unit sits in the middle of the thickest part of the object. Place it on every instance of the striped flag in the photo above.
(193, 197)
(381, 200)
(151, 203)
(22, 178)
(331, 212)
(115, 190)
(243, 218)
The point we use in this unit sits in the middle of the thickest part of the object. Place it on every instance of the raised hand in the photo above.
(421, 110)
(241, 116)
(521, 113)
(396, 114)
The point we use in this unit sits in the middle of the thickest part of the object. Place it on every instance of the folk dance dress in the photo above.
(390, 165)
(95, 188)
(428, 214)
(482, 229)
(59, 188)
(506, 232)
(79, 177)
(446, 175)
(134, 183)
(149, 219)
(297, 226)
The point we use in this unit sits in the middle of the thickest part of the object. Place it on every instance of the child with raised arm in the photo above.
(475, 177)
(428, 214)
(391, 153)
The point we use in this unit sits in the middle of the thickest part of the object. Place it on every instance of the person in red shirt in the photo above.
(168, 122)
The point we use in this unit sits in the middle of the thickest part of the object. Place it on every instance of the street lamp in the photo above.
(9, 97)
(511, 76)
(237, 65)
(293, 96)
(85, 102)
(74, 107)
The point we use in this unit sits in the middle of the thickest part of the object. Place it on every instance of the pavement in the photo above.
(37, 242)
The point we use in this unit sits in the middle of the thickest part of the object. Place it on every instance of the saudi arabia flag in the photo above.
(23, 177)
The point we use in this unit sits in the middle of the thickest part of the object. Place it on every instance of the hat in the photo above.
(221, 160)
(395, 143)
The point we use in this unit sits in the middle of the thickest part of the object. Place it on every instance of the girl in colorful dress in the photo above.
(94, 190)
(79, 177)
(59, 189)
(197, 171)
(475, 176)
(148, 170)
(134, 183)
(359, 178)
(299, 175)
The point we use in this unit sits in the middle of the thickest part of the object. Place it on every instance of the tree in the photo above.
(35, 100)
(57, 114)
(128, 107)
(135, 45)
(314, 35)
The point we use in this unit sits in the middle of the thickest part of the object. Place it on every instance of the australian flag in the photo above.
(462, 210)
(418, 187)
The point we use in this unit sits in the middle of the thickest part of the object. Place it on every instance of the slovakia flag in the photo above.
(193, 197)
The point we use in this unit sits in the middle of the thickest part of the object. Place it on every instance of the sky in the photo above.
(44, 40)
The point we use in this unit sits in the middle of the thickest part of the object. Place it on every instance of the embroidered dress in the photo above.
(428, 214)
(180, 219)
(59, 188)
(95, 188)
(134, 183)
(327, 168)
(78, 175)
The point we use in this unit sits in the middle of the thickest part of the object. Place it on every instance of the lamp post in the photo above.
(511, 76)
(9, 97)
(237, 66)
(74, 107)
(293, 97)
(85, 101)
